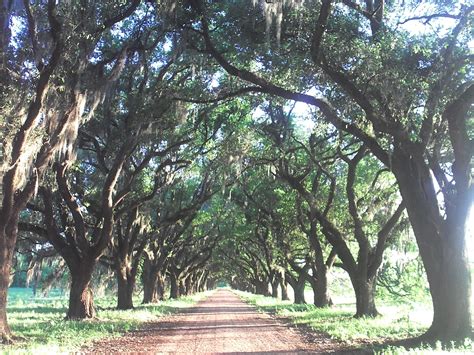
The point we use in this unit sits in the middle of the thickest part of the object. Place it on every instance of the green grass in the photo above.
(398, 321)
(41, 321)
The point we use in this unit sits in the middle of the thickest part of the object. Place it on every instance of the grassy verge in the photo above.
(41, 322)
(397, 322)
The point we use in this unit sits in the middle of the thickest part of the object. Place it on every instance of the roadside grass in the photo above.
(39, 321)
(397, 322)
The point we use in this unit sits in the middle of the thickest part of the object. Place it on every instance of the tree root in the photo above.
(7, 339)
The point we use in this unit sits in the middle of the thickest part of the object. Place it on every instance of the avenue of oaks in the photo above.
(182, 143)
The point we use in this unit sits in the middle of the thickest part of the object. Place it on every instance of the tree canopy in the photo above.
(257, 143)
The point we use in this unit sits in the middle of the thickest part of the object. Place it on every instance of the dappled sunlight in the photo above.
(315, 151)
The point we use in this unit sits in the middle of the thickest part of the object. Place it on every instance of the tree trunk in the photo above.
(261, 288)
(319, 279)
(126, 285)
(442, 246)
(150, 291)
(160, 287)
(365, 297)
(450, 292)
(188, 286)
(320, 290)
(150, 280)
(297, 284)
(182, 287)
(174, 287)
(210, 284)
(284, 288)
(81, 301)
(196, 281)
(298, 290)
(275, 284)
(7, 248)
(203, 283)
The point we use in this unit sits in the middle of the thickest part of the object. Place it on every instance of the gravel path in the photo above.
(220, 324)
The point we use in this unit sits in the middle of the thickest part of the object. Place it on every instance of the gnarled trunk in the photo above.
(320, 289)
(299, 292)
(321, 294)
(365, 297)
(150, 280)
(320, 286)
(298, 285)
(442, 245)
(174, 286)
(150, 294)
(81, 300)
(450, 292)
(125, 287)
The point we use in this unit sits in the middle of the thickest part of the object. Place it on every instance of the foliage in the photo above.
(401, 278)
(160, 138)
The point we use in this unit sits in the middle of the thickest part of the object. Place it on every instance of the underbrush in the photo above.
(39, 321)
(397, 322)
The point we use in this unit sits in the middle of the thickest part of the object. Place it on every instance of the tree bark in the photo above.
(126, 286)
(188, 286)
(150, 280)
(203, 284)
(450, 294)
(7, 248)
(174, 286)
(365, 297)
(181, 288)
(81, 301)
(320, 292)
(299, 293)
(201, 281)
(160, 287)
(150, 294)
(284, 288)
(261, 288)
(275, 284)
(298, 285)
(319, 283)
(442, 246)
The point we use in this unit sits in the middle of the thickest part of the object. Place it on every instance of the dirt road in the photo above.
(220, 324)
